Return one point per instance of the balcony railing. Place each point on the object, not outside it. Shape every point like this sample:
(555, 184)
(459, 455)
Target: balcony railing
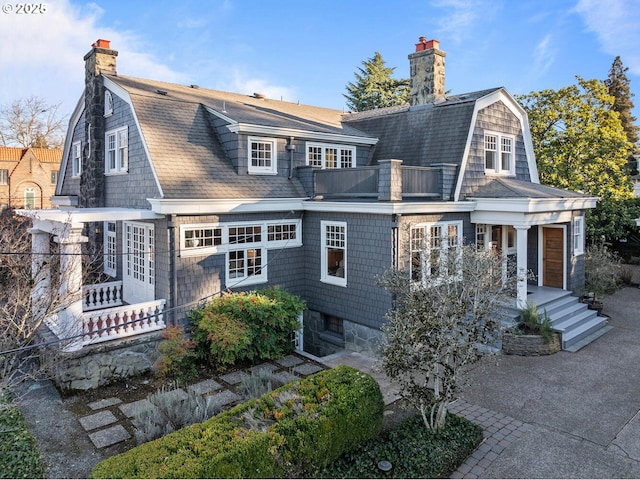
(123, 321)
(421, 181)
(102, 295)
(356, 182)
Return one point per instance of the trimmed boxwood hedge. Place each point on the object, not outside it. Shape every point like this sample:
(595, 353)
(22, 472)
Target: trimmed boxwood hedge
(298, 428)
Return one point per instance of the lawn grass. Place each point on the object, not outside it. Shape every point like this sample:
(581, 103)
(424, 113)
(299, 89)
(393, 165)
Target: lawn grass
(412, 450)
(19, 456)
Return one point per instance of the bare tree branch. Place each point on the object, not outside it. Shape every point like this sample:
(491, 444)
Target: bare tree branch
(31, 122)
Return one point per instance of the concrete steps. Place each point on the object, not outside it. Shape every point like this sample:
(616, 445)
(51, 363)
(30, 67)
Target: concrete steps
(573, 320)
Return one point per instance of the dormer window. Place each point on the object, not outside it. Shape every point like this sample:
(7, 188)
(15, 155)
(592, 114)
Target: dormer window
(499, 154)
(76, 159)
(263, 158)
(108, 103)
(330, 156)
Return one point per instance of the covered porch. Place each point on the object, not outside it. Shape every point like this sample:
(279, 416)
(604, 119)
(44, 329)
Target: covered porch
(93, 313)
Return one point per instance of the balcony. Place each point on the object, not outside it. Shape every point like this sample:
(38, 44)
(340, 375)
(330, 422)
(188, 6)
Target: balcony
(390, 181)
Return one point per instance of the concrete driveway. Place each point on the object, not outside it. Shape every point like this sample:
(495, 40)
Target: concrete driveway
(583, 407)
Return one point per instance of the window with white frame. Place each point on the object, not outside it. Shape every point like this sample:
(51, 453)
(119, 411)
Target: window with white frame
(330, 156)
(76, 159)
(108, 103)
(109, 258)
(429, 245)
(117, 151)
(334, 253)
(245, 245)
(499, 155)
(4, 176)
(578, 235)
(263, 158)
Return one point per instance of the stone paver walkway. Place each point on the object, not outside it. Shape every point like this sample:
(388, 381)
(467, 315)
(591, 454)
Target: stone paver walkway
(500, 431)
(112, 421)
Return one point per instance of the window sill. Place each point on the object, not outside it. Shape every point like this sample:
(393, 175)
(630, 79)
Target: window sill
(337, 281)
(259, 172)
(115, 174)
(242, 282)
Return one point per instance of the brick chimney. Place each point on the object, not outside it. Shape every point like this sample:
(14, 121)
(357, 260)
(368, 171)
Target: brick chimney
(100, 59)
(427, 72)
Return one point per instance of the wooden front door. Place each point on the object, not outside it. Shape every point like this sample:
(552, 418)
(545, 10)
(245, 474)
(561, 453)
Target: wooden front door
(553, 257)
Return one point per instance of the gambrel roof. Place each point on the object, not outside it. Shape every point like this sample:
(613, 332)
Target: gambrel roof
(421, 135)
(187, 156)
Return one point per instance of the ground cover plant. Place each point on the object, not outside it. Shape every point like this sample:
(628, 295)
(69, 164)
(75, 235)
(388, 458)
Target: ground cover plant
(412, 450)
(19, 457)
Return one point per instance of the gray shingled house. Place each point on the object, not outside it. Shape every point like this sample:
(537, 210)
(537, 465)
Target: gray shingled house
(191, 191)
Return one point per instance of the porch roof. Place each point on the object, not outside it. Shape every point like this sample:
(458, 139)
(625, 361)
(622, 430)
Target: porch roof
(509, 201)
(50, 220)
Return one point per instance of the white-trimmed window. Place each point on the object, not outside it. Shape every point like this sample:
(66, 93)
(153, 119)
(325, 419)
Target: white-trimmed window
(29, 198)
(499, 154)
(109, 259)
(334, 253)
(578, 235)
(76, 159)
(117, 151)
(4, 176)
(263, 157)
(429, 244)
(330, 156)
(108, 103)
(200, 237)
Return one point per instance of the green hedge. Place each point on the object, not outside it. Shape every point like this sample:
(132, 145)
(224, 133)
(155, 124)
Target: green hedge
(298, 428)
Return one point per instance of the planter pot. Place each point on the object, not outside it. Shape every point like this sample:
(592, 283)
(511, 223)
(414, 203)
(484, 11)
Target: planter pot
(529, 345)
(597, 306)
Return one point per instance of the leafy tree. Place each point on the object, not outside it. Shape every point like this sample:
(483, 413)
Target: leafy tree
(436, 328)
(580, 145)
(375, 88)
(31, 122)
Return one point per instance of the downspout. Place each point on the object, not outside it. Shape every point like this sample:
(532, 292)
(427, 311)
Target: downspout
(173, 281)
(291, 148)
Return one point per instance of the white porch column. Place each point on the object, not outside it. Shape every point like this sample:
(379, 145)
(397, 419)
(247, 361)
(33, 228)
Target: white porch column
(521, 265)
(69, 317)
(40, 272)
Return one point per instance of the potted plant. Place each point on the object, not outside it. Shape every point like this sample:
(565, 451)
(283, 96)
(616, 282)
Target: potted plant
(533, 334)
(601, 267)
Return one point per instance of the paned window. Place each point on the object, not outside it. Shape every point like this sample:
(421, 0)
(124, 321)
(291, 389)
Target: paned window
(110, 266)
(4, 176)
(262, 156)
(499, 154)
(29, 198)
(433, 248)
(117, 151)
(334, 253)
(54, 176)
(246, 266)
(108, 103)
(330, 156)
(578, 235)
(76, 159)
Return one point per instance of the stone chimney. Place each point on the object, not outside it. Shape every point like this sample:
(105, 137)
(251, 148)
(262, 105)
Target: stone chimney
(100, 59)
(427, 72)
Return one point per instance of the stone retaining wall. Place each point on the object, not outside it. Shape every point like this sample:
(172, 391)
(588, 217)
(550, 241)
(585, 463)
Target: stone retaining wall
(529, 345)
(100, 364)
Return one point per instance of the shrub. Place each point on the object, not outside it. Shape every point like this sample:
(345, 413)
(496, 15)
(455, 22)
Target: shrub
(412, 450)
(533, 322)
(298, 428)
(169, 410)
(178, 356)
(254, 326)
(19, 456)
(257, 384)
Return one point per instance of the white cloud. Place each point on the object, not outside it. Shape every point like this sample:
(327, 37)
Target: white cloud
(617, 26)
(544, 55)
(461, 16)
(42, 54)
(241, 83)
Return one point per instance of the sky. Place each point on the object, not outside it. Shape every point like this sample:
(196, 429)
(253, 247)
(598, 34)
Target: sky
(308, 51)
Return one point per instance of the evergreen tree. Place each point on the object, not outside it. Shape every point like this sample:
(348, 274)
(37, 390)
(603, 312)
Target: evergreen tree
(618, 85)
(375, 88)
(580, 145)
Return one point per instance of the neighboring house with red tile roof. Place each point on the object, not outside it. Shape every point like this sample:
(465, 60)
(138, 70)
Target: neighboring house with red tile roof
(191, 191)
(28, 176)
